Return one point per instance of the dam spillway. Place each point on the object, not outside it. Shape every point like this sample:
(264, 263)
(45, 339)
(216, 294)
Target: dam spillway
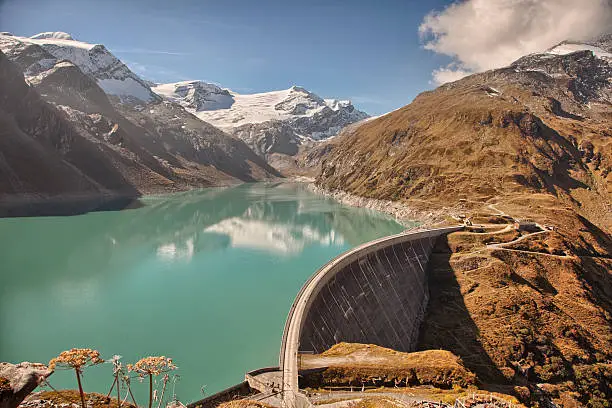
(375, 293)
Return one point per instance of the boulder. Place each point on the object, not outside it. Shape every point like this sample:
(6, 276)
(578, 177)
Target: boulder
(17, 381)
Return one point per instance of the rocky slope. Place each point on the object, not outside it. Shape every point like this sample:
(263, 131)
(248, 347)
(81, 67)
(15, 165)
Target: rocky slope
(541, 124)
(147, 144)
(41, 152)
(113, 76)
(271, 122)
(534, 139)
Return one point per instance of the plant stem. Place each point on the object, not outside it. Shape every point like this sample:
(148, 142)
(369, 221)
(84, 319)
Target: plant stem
(150, 390)
(118, 391)
(111, 389)
(132, 396)
(163, 390)
(76, 370)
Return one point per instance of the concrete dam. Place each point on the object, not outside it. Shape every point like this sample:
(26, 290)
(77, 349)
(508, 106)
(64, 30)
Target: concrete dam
(375, 293)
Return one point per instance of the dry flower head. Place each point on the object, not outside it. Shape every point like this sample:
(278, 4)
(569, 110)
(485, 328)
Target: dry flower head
(152, 366)
(76, 358)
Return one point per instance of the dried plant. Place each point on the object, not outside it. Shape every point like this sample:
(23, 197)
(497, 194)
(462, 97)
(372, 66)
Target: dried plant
(152, 366)
(118, 373)
(76, 359)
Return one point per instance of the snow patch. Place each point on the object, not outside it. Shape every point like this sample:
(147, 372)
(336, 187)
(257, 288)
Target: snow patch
(114, 77)
(125, 88)
(197, 95)
(59, 35)
(568, 48)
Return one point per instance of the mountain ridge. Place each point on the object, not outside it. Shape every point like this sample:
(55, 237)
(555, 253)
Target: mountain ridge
(272, 123)
(155, 145)
(531, 141)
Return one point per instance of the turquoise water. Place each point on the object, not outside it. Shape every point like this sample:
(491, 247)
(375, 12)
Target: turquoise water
(206, 277)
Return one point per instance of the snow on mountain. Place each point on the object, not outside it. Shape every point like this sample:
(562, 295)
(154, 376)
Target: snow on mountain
(230, 110)
(568, 47)
(59, 35)
(114, 77)
(268, 122)
(196, 95)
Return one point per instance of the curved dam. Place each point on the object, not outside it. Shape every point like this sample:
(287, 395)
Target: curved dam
(376, 293)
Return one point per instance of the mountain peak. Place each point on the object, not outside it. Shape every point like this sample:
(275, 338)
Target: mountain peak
(196, 95)
(568, 47)
(57, 35)
(112, 75)
(297, 88)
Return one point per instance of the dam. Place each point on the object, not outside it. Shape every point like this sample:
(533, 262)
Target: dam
(375, 293)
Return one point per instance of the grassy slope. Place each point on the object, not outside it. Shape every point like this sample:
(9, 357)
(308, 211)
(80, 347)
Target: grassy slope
(522, 317)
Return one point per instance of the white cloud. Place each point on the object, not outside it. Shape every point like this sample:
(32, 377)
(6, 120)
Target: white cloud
(450, 73)
(486, 34)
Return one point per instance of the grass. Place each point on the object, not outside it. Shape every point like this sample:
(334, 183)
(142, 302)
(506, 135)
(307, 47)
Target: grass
(356, 364)
(72, 397)
(426, 393)
(244, 403)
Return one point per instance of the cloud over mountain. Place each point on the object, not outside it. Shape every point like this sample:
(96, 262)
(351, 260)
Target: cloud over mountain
(486, 34)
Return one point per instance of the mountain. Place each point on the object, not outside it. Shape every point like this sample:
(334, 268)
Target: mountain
(43, 154)
(114, 77)
(531, 141)
(540, 124)
(155, 145)
(270, 122)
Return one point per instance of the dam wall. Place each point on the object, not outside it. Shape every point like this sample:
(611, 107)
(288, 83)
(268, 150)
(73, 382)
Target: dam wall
(375, 293)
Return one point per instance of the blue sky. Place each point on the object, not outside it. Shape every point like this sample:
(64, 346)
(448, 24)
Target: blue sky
(367, 51)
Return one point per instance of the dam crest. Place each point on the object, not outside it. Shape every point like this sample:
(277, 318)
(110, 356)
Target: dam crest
(376, 293)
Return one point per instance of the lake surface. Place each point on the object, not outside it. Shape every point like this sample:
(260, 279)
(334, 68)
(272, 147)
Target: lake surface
(206, 277)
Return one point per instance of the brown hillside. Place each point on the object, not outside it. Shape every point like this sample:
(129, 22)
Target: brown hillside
(501, 132)
(348, 364)
(531, 141)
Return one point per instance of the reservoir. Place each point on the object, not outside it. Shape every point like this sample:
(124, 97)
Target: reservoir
(206, 277)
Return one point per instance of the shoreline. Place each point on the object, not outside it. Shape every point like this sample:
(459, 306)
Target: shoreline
(402, 213)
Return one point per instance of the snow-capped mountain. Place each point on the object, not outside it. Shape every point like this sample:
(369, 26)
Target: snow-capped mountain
(113, 76)
(586, 72)
(270, 122)
(598, 48)
(147, 145)
(87, 79)
(196, 95)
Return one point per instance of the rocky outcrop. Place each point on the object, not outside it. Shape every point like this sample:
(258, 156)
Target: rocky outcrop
(41, 152)
(17, 381)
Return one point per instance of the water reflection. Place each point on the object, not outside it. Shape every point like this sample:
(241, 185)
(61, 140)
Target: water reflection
(275, 218)
(273, 237)
(192, 263)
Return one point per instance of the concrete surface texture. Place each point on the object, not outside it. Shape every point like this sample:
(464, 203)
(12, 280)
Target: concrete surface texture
(376, 293)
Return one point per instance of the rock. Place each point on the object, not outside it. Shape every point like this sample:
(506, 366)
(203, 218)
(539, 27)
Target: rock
(17, 381)
(175, 404)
